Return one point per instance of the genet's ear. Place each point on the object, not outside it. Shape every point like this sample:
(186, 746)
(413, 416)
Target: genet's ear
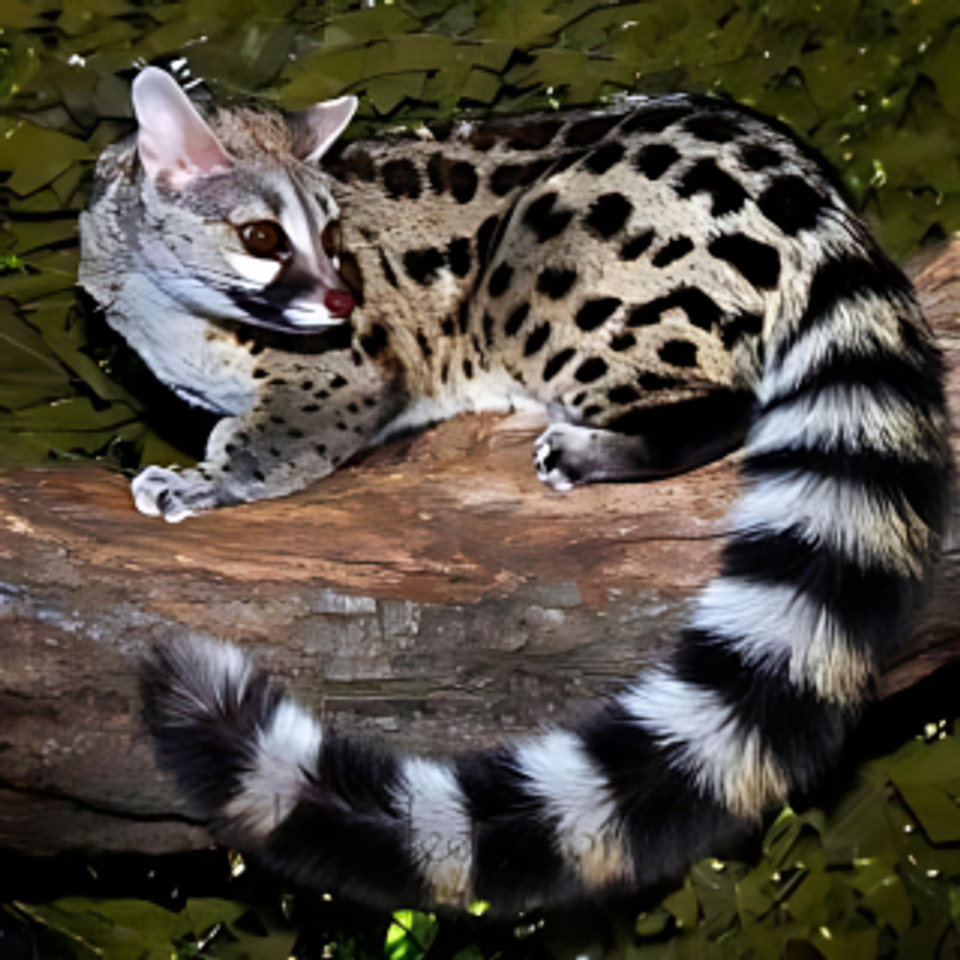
(173, 140)
(316, 128)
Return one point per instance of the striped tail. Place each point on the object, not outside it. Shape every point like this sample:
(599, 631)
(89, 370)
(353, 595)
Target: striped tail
(847, 476)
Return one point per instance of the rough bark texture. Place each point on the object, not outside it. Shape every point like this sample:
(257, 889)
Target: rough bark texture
(436, 595)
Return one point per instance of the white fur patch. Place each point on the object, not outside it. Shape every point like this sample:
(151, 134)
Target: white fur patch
(768, 623)
(724, 760)
(271, 788)
(257, 270)
(837, 514)
(441, 838)
(578, 795)
(204, 671)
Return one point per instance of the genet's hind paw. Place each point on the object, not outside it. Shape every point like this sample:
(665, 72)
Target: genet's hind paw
(159, 492)
(558, 455)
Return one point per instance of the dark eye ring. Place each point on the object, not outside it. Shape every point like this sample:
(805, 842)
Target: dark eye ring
(265, 239)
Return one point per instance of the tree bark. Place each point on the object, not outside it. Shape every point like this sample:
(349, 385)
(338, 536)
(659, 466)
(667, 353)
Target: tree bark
(435, 595)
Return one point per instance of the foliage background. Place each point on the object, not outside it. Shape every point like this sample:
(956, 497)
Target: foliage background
(873, 84)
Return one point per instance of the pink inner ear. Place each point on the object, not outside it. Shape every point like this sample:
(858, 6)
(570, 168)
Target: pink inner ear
(173, 140)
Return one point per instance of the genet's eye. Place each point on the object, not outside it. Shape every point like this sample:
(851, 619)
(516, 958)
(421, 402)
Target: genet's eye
(331, 239)
(264, 238)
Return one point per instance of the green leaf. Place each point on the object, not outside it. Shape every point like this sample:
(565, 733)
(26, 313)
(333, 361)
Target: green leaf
(35, 156)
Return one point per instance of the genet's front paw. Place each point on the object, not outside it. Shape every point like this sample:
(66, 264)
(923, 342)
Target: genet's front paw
(159, 492)
(558, 455)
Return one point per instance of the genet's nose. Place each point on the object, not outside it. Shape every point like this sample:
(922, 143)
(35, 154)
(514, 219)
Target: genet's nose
(339, 303)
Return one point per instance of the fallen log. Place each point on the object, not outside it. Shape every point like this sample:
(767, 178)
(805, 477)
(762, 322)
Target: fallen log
(436, 596)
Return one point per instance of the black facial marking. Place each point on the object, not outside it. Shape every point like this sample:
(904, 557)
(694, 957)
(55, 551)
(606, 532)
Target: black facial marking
(678, 353)
(758, 157)
(515, 320)
(655, 119)
(374, 342)
(586, 132)
(401, 179)
(536, 340)
(714, 127)
(608, 214)
(604, 157)
(700, 309)
(500, 280)
(758, 262)
(463, 182)
(706, 177)
(595, 312)
(670, 252)
(655, 159)
(388, 273)
(637, 245)
(623, 394)
(509, 176)
(623, 342)
(556, 363)
(590, 370)
(543, 220)
(423, 266)
(458, 253)
(792, 204)
(555, 282)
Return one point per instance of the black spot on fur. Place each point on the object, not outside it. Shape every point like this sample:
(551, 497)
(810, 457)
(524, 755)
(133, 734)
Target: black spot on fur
(488, 330)
(758, 262)
(654, 381)
(401, 179)
(260, 374)
(714, 127)
(515, 320)
(545, 221)
(423, 266)
(623, 394)
(637, 245)
(374, 342)
(672, 251)
(534, 135)
(595, 312)
(586, 132)
(388, 273)
(556, 363)
(337, 382)
(655, 119)
(500, 280)
(509, 176)
(568, 160)
(758, 157)
(678, 353)
(447, 327)
(463, 182)
(655, 159)
(463, 315)
(792, 204)
(555, 282)
(706, 177)
(700, 309)
(484, 237)
(623, 342)
(604, 157)
(536, 340)
(740, 325)
(437, 172)
(458, 253)
(468, 368)
(590, 370)
(608, 214)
